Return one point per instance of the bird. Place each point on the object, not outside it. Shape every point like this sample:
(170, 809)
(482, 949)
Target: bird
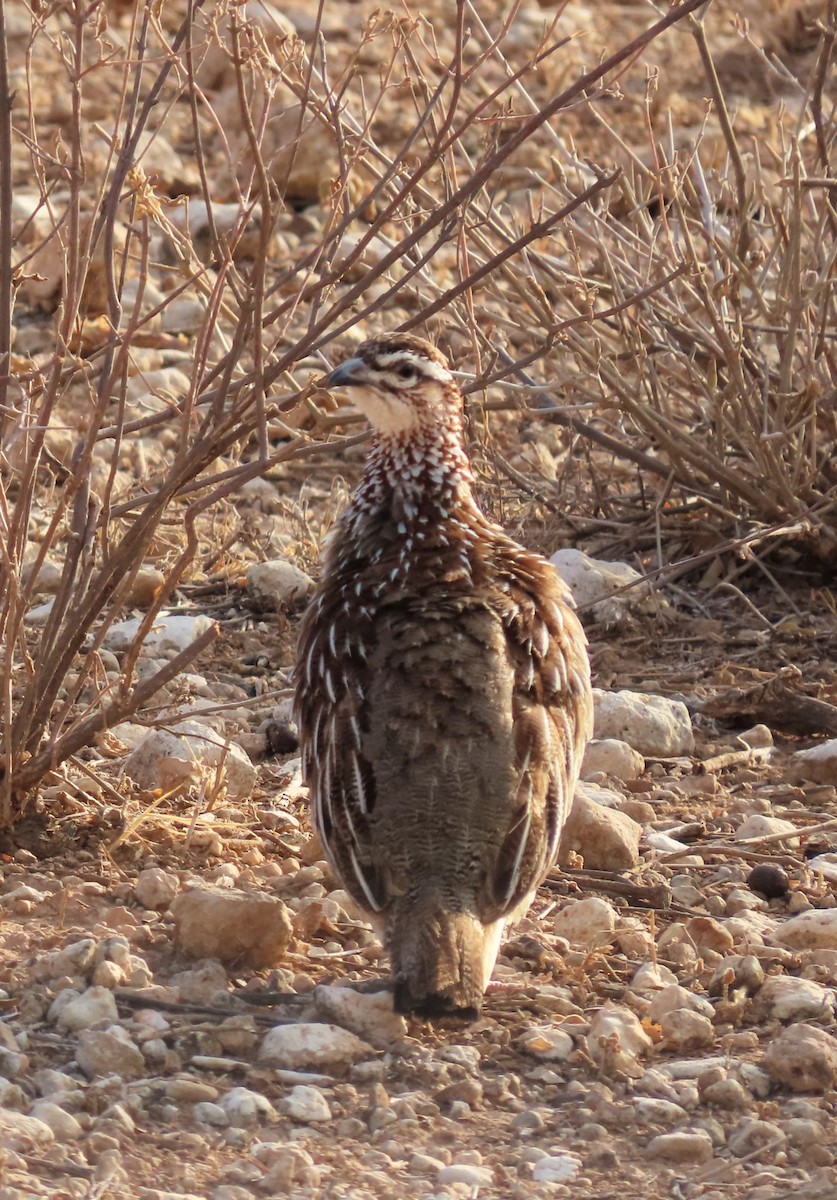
(441, 692)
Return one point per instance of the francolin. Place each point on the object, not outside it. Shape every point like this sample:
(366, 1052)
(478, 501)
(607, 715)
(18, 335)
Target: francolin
(442, 692)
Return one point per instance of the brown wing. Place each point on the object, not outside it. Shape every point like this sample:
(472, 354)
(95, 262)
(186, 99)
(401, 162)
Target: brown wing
(552, 720)
(331, 688)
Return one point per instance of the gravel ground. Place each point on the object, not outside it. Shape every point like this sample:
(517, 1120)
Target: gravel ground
(191, 1006)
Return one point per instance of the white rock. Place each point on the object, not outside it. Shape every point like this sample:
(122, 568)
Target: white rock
(617, 1040)
(24, 892)
(76, 959)
(201, 984)
(474, 1177)
(245, 1107)
(814, 930)
(108, 975)
(95, 1005)
(50, 1082)
(737, 970)
(376, 248)
(608, 840)
(20, 1133)
(39, 615)
(156, 888)
(786, 998)
(368, 1014)
(116, 949)
(817, 764)
(128, 733)
(170, 633)
(278, 583)
(206, 1112)
(727, 1093)
(546, 1042)
(663, 843)
(686, 1146)
(751, 1135)
(11, 1094)
(423, 1164)
(708, 934)
(109, 1052)
(610, 756)
(825, 865)
(759, 825)
(594, 581)
(651, 1110)
(673, 997)
(183, 315)
(654, 725)
(750, 927)
(693, 1068)
(168, 382)
(651, 978)
(62, 1123)
(685, 1029)
(588, 923)
(556, 1168)
(305, 1103)
(757, 738)
(803, 1058)
(633, 939)
(48, 579)
(311, 1046)
(188, 751)
(239, 928)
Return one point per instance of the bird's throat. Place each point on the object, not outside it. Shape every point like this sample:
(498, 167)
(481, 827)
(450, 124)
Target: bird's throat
(424, 470)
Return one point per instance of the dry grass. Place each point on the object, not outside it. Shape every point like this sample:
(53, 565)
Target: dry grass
(671, 306)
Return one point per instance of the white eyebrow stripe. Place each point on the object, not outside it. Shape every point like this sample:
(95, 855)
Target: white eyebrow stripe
(423, 366)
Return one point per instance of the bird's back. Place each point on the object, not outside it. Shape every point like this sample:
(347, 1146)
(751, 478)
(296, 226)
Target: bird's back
(440, 736)
(446, 762)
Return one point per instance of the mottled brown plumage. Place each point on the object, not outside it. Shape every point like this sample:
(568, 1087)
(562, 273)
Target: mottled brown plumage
(442, 692)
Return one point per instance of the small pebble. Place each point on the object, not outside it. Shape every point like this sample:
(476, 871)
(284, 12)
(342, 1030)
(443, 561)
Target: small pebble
(306, 1104)
(683, 1147)
(155, 888)
(478, 1177)
(62, 1123)
(556, 1168)
(207, 1113)
(752, 1137)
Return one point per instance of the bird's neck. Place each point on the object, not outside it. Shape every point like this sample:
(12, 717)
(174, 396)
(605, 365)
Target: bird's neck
(414, 520)
(422, 472)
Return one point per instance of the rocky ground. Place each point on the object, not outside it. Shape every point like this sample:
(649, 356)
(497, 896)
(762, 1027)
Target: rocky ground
(191, 1006)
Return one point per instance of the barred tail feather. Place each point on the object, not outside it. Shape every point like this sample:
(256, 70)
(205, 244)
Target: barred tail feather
(441, 960)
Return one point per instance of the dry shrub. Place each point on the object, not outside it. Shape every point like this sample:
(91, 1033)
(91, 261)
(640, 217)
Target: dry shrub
(203, 200)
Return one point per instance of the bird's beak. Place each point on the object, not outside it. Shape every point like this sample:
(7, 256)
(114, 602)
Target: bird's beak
(349, 372)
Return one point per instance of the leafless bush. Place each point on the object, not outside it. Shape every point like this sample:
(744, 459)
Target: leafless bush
(692, 315)
(186, 335)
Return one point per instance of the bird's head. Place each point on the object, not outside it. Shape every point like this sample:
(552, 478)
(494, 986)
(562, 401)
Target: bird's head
(400, 383)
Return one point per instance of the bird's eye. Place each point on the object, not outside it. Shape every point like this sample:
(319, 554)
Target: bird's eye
(405, 371)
